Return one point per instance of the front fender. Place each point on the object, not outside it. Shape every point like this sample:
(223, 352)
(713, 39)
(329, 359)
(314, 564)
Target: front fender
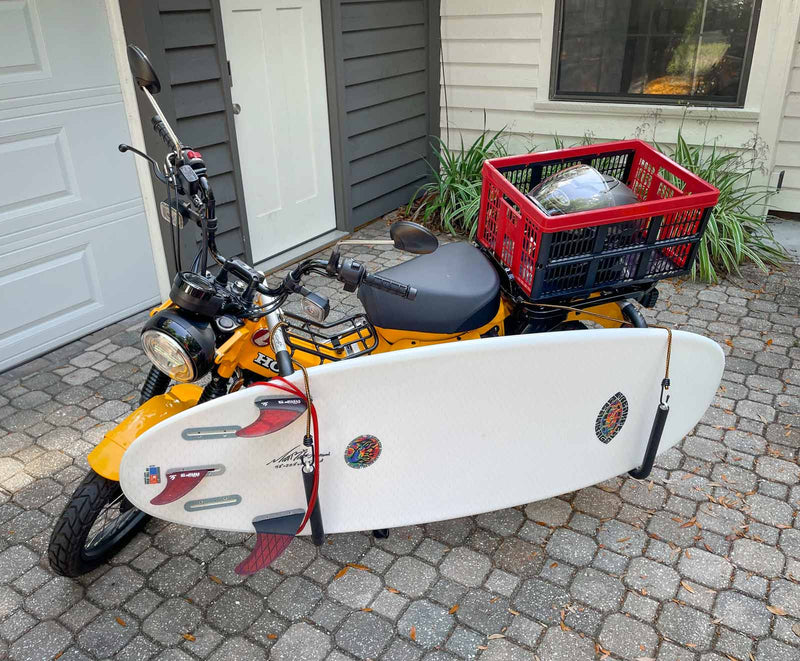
(106, 457)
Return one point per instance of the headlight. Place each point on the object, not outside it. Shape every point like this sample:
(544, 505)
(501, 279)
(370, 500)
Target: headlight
(179, 347)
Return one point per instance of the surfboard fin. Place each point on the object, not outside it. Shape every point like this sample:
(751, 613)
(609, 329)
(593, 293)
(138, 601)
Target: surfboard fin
(179, 483)
(274, 533)
(274, 413)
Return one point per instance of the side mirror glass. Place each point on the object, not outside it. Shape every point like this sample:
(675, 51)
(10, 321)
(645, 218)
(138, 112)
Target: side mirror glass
(143, 72)
(413, 238)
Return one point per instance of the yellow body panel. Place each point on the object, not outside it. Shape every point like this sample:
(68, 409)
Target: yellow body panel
(607, 309)
(106, 457)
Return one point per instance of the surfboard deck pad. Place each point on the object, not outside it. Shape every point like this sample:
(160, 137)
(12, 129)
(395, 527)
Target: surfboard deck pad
(427, 434)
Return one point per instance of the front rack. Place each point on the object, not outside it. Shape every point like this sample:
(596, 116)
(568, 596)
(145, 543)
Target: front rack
(349, 337)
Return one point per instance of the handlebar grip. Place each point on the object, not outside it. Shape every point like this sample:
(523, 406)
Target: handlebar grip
(161, 131)
(390, 286)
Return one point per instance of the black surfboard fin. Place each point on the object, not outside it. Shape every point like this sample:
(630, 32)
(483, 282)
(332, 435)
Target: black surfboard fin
(274, 533)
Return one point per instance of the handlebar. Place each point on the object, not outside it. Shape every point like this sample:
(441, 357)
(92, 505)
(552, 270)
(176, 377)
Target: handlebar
(390, 286)
(161, 130)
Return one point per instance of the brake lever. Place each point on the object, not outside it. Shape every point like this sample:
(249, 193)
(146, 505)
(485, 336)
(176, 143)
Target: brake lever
(153, 165)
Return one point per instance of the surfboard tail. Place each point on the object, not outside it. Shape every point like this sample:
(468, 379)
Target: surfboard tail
(274, 533)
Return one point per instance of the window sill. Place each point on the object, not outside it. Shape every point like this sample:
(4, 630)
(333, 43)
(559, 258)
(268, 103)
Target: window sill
(641, 109)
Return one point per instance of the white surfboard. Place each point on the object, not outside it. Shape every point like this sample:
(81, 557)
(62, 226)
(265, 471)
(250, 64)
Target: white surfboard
(429, 433)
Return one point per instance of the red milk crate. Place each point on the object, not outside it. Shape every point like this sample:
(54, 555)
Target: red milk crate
(573, 254)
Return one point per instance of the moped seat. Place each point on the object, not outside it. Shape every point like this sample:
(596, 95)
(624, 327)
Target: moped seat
(458, 290)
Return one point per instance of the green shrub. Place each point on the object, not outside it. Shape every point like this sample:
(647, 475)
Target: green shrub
(452, 200)
(737, 229)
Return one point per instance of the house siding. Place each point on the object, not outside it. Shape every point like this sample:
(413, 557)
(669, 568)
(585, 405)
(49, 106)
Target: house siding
(496, 59)
(787, 153)
(183, 40)
(383, 52)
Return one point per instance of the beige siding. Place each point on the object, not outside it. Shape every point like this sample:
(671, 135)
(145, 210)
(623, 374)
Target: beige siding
(787, 153)
(496, 74)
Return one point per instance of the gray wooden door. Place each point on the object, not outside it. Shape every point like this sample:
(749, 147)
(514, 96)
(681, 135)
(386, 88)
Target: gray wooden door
(75, 252)
(383, 81)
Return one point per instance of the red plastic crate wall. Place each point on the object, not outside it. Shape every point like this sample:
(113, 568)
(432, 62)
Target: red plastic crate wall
(579, 253)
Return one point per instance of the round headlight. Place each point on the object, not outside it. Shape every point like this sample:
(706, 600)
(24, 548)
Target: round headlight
(167, 355)
(180, 347)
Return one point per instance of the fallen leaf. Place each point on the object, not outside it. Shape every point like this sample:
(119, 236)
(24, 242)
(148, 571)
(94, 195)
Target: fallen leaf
(495, 636)
(413, 633)
(769, 342)
(554, 565)
(272, 636)
(483, 647)
(564, 627)
(776, 610)
(622, 539)
(513, 612)
(189, 637)
(392, 590)
(215, 579)
(121, 622)
(59, 655)
(453, 609)
(355, 566)
(341, 572)
(494, 600)
(687, 587)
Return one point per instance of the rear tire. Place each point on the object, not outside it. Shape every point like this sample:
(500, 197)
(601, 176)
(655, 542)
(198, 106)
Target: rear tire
(77, 544)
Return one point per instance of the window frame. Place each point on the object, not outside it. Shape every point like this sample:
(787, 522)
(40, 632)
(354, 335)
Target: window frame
(650, 99)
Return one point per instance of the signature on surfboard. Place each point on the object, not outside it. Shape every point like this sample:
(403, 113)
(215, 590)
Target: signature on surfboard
(293, 457)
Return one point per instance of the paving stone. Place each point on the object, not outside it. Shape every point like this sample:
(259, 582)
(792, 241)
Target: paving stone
(295, 597)
(430, 623)
(401, 650)
(628, 637)
(356, 588)
(401, 540)
(597, 502)
(452, 532)
(389, 604)
(447, 592)
(364, 635)
(265, 630)
(464, 566)
(719, 519)
(115, 586)
(44, 641)
(15, 561)
(733, 643)
(769, 510)
(597, 589)
(504, 650)
(519, 557)
(686, 626)
(172, 619)
(501, 522)
(622, 538)
(706, 568)
(790, 542)
(411, 576)
(176, 576)
(541, 600)
(16, 625)
(329, 615)
(54, 598)
(484, 612)
(758, 558)
(558, 645)
(345, 548)
(787, 596)
(429, 550)
(552, 512)
(751, 584)
(642, 607)
(239, 649)
(502, 582)
(105, 636)
(235, 610)
(610, 562)
(464, 643)
(772, 650)
(778, 470)
(571, 547)
(31, 580)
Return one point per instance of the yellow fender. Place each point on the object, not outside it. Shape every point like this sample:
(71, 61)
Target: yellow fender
(106, 457)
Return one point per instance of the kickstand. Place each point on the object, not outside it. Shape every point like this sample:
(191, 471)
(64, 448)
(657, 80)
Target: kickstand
(315, 519)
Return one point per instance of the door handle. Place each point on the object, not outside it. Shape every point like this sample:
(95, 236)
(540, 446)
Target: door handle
(236, 108)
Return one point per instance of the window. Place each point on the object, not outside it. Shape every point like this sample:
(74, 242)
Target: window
(654, 51)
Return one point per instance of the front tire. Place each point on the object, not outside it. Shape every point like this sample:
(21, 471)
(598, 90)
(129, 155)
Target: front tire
(97, 522)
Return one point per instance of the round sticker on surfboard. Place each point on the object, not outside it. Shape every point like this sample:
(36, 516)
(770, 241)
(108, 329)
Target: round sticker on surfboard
(362, 451)
(611, 418)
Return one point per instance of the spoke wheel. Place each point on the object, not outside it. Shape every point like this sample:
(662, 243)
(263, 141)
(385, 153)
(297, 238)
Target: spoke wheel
(97, 522)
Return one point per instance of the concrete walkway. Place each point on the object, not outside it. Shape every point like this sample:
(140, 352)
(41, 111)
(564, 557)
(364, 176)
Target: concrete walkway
(700, 563)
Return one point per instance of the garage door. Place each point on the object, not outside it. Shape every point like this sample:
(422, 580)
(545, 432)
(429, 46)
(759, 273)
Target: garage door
(74, 248)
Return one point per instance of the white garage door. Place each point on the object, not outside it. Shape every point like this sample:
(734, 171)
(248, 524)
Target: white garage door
(74, 249)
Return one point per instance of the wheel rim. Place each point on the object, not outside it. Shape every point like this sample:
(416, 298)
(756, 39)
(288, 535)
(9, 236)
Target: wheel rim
(112, 523)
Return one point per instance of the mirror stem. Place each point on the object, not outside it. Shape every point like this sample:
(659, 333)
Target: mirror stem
(156, 107)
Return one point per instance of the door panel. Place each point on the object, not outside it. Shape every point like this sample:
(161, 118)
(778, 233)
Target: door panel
(74, 248)
(278, 75)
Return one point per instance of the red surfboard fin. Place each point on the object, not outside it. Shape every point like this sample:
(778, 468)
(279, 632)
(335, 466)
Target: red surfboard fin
(179, 483)
(274, 533)
(274, 413)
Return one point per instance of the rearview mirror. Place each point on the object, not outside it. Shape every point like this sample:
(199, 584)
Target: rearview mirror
(413, 238)
(143, 72)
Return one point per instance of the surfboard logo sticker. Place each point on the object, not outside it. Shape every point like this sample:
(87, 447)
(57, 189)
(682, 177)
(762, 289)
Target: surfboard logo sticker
(611, 418)
(152, 475)
(362, 451)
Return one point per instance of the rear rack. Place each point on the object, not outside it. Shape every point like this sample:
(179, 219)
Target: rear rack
(349, 337)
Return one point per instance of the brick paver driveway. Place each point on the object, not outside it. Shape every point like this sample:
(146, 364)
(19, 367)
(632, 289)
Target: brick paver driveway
(702, 562)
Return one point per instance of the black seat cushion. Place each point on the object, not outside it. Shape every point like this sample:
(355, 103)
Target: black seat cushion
(458, 290)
